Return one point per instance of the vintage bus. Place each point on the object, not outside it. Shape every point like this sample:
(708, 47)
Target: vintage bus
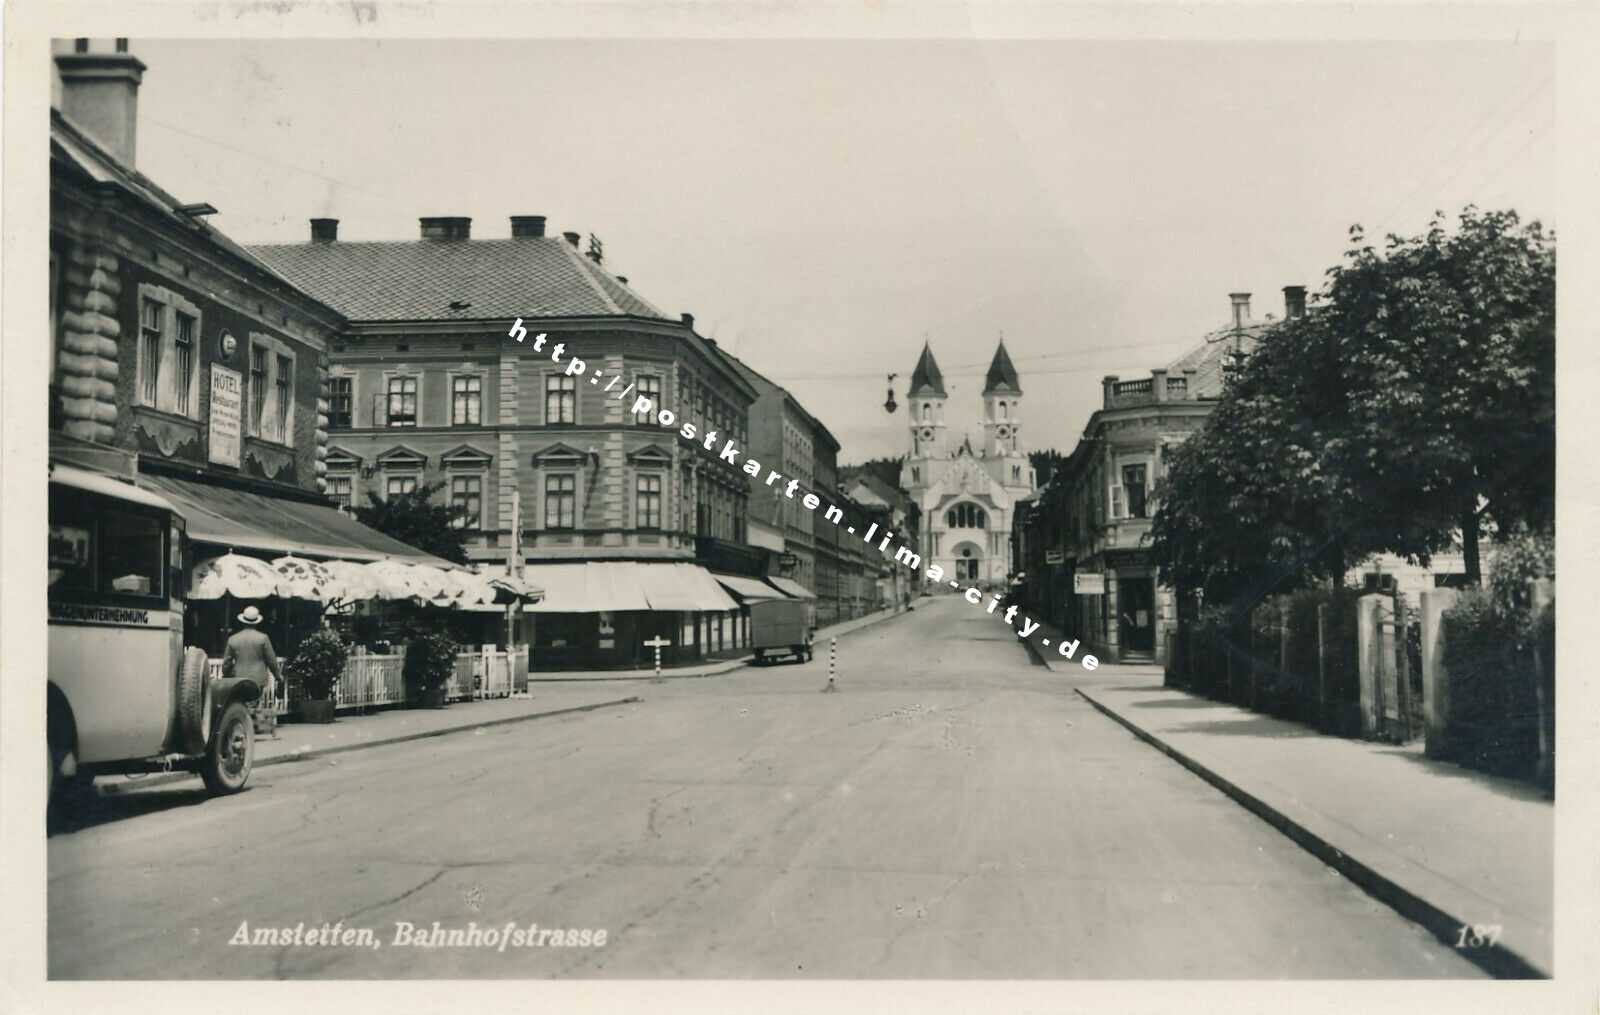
(124, 694)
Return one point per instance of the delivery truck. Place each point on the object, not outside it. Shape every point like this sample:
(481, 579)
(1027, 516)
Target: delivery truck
(781, 627)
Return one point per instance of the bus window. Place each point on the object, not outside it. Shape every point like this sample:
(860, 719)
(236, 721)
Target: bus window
(130, 558)
(71, 557)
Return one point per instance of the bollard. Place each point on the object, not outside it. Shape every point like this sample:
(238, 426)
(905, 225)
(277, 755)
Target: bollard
(656, 644)
(833, 656)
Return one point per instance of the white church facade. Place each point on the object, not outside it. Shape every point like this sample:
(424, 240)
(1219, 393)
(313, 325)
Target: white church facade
(967, 494)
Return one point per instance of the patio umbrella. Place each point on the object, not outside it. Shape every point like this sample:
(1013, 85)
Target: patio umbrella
(393, 579)
(233, 575)
(355, 581)
(430, 582)
(480, 592)
(299, 578)
(452, 590)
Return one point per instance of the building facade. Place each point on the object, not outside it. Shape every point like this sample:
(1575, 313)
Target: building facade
(965, 495)
(507, 372)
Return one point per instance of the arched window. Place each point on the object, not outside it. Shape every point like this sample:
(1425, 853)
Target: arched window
(1002, 410)
(966, 516)
(927, 412)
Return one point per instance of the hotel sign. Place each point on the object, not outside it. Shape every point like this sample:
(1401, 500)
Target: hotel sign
(227, 405)
(1084, 584)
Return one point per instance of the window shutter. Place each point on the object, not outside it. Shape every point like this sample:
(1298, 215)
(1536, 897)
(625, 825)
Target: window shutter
(1116, 502)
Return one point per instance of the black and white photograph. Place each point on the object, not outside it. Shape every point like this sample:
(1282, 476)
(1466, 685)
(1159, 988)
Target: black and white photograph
(624, 500)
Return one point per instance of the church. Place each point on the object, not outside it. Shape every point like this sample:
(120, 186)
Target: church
(967, 494)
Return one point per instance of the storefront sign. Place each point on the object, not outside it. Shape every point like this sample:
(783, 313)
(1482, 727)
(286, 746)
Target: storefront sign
(1055, 556)
(1089, 584)
(227, 404)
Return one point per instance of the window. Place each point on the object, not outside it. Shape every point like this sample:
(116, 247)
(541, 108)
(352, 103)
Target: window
(560, 399)
(402, 401)
(1002, 410)
(966, 516)
(398, 485)
(1133, 483)
(560, 501)
(647, 502)
(341, 399)
(649, 387)
(183, 345)
(916, 474)
(283, 382)
(466, 401)
(342, 490)
(167, 361)
(97, 550)
(466, 496)
(258, 388)
(150, 351)
(1116, 503)
(1016, 474)
(927, 412)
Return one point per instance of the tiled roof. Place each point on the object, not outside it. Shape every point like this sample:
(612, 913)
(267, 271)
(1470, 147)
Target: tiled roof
(1001, 372)
(414, 280)
(1206, 359)
(926, 379)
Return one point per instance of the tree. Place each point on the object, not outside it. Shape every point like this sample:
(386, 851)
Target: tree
(1045, 462)
(1415, 401)
(1451, 376)
(414, 519)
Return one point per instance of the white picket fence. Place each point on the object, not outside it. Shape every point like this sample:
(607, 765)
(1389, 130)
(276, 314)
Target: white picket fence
(371, 680)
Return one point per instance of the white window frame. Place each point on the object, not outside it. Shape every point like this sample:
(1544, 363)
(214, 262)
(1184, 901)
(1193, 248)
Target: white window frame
(347, 476)
(544, 499)
(269, 427)
(391, 476)
(167, 380)
(416, 415)
(337, 374)
(659, 382)
(462, 375)
(660, 476)
(468, 521)
(557, 383)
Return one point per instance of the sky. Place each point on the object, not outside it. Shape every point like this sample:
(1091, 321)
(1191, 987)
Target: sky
(823, 207)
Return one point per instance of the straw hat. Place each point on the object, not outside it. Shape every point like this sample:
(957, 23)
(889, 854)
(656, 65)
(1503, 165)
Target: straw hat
(251, 615)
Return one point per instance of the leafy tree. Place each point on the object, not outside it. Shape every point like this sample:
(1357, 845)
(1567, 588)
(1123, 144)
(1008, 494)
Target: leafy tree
(1416, 400)
(414, 519)
(1045, 462)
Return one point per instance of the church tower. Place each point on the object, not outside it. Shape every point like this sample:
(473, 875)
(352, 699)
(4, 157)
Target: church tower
(1002, 402)
(926, 402)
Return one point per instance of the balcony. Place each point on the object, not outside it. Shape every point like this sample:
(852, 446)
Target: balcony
(1158, 387)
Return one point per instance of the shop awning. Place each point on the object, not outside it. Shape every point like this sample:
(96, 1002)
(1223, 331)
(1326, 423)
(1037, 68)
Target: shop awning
(748, 589)
(609, 586)
(792, 588)
(251, 521)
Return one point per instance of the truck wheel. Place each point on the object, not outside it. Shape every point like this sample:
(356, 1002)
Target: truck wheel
(226, 765)
(194, 701)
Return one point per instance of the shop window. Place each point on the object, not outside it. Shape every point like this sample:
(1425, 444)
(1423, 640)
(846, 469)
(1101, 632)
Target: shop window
(560, 501)
(466, 496)
(466, 401)
(341, 400)
(402, 401)
(560, 399)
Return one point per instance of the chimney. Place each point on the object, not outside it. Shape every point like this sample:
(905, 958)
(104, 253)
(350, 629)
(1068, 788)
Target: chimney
(688, 321)
(527, 226)
(571, 238)
(1241, 309)
(324, 230)
(1294, 301)
(446, 227)
(100, 93)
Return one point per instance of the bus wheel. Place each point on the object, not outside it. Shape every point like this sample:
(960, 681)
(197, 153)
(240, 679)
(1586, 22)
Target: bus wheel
(226, 765)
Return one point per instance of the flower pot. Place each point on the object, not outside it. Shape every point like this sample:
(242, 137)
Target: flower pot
(317, 711)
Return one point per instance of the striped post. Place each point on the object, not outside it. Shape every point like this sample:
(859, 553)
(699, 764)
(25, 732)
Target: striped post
(833, 662)
(656, 643)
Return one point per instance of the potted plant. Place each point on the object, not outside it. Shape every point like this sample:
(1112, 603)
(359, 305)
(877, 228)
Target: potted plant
(318, 664)
(430, 662)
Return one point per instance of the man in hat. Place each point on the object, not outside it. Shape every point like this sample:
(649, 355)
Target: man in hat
(249, 654)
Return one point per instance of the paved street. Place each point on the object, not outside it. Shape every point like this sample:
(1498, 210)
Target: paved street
(953, 812)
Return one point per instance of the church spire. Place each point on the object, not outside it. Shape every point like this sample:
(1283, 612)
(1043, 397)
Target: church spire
(926, 379)
(1002, 375)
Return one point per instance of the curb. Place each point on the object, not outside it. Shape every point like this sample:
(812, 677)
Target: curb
(323, 752)
(1498, 961)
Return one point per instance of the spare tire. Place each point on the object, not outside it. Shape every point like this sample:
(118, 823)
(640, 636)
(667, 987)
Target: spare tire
(194, 701)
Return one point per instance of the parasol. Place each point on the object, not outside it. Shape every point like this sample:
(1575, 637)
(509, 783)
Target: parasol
(392, 579)
(355, 581)
(299, 578)
(233, 575)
